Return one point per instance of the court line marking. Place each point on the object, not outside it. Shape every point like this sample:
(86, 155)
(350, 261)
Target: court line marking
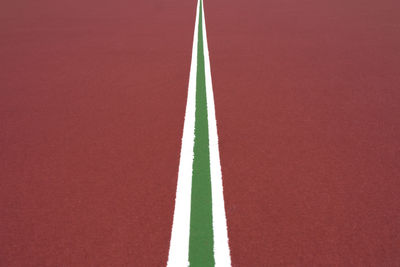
(179, 243)
(221, 243)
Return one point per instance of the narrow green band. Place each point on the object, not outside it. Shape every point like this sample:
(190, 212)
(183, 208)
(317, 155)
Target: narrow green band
(201, 229)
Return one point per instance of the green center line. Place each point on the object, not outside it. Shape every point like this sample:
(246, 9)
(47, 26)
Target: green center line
(201, 226)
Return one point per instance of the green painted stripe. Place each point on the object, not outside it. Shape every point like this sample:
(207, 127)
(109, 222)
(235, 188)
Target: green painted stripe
(201, 229)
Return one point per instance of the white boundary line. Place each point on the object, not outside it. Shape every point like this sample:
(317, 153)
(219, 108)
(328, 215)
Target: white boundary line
(179, 244)
(221, 247)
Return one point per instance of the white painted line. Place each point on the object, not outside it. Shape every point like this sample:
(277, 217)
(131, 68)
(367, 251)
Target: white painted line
(221, 245)
(179, 244)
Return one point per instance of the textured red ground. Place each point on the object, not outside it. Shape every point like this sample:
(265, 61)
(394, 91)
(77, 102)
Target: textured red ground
(308, 106)
(92, 100)
(92, 104)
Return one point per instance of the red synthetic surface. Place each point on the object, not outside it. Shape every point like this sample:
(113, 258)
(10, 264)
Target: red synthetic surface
(92, 98)
(308, 106)
(92, 102)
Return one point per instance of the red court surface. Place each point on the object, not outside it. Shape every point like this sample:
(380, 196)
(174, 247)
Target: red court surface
(307, 97)
(92, 103)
